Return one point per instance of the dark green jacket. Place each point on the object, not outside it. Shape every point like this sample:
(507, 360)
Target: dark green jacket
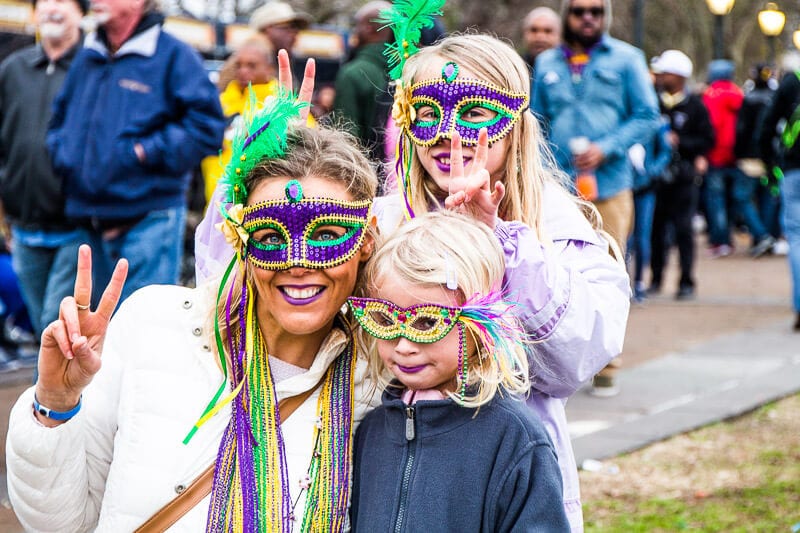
(361, 87)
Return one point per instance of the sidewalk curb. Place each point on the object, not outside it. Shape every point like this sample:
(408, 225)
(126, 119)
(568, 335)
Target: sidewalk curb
(713, 381)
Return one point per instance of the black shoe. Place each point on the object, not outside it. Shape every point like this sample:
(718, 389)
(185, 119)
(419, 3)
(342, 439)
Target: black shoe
(763, 246)
(654, 289)
(27, 356)
(8, 362)
(797, 323)
(604, 386)
(685, 292)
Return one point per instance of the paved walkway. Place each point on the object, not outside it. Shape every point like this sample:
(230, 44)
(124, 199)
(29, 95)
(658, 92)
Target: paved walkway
(712, 381)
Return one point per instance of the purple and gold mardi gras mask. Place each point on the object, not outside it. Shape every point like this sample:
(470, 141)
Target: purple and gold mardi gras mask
(422, 323)
(305, 232)
(447, 103)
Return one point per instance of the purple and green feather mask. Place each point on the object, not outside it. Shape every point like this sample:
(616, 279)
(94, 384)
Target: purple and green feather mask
(305, 232)
(441, 106)
(251, 487)
(427, 111)
(311, 232)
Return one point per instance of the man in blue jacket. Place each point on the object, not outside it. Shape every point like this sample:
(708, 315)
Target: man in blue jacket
(598, 88)
(136, 113)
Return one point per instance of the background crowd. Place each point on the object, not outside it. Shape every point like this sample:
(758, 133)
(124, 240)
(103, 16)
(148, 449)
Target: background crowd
(665, 154)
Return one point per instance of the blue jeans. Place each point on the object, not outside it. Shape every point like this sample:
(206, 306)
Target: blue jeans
(769, 209)
(639, 241)
(46, 275)
(742, 191)
(12, 304)
(790, 191)
(153, 248)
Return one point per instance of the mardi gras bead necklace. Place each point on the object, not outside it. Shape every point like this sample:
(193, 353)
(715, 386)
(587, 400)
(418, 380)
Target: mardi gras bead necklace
(251, 483)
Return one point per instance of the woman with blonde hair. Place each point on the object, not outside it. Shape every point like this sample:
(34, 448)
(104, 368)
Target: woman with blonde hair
(229, 407)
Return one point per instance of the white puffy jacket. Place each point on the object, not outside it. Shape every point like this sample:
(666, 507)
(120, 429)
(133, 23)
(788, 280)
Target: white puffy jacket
(121, 458)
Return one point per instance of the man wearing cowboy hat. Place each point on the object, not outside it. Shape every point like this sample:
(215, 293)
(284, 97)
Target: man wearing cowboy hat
(280, 24)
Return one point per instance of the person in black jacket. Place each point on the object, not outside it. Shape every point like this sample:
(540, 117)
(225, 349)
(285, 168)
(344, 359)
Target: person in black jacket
(786, 105)
(45, 244)
(765, 191)
(691, 136)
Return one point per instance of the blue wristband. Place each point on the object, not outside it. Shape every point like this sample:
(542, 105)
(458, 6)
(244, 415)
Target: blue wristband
(56, 415)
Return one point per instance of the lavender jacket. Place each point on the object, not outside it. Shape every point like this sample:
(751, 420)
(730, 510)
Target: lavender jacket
(574, 295)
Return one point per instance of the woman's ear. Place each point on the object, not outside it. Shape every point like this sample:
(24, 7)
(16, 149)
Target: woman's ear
(369, 240)
(367, 248)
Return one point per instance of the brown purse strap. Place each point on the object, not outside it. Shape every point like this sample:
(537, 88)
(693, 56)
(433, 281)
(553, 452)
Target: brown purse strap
(289, 405)
(180, 505)
(201, 486)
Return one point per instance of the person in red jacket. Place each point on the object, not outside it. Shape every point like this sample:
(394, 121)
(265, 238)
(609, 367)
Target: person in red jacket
(723, 98)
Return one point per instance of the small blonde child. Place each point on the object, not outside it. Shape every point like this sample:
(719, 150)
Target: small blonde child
(452, 446)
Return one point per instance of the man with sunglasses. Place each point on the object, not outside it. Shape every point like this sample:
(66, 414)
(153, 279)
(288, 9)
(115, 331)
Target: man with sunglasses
(597, 88)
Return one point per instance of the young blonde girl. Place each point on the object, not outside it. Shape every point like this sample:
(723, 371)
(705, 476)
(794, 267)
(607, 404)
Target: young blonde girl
(488, 159)
(452, 446)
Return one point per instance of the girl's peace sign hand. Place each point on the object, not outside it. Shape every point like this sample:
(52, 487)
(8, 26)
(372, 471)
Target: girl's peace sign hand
(71, 347)
(285, 79)
(473, 193)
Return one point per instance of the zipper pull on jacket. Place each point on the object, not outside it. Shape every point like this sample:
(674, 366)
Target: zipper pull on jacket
(410, 434)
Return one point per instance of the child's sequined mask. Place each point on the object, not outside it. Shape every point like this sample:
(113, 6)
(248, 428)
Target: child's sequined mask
(422, 323)
(305, 232)
(446, 103)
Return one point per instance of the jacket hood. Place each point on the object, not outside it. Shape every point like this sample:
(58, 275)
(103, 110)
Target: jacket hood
(606, 20)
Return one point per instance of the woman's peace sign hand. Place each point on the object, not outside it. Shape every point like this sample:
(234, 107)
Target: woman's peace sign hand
(473, 193)
(71, 347)
(285, 79)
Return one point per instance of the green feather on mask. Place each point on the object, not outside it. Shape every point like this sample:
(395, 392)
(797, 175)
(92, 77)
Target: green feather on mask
(407, 18)
(261, 134)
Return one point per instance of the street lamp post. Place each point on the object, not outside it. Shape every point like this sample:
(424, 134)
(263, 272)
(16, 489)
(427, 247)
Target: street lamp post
(638, 24)
(771, 21)
(719, 8)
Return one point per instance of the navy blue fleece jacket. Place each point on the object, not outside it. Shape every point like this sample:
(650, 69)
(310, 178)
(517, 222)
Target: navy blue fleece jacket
(436, 466)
